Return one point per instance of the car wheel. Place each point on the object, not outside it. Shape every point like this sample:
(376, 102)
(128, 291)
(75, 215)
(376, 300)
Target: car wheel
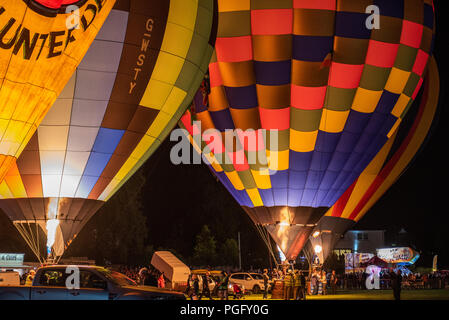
(256, 289)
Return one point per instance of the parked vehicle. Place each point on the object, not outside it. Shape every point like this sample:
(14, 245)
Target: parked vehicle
(9, 278)
(259, 277)
(214, 280)
(60, 282)
(250, 281)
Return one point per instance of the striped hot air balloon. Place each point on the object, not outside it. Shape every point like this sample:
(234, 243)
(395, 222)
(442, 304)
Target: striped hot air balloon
(332, 89)
(136, 81)
(383, 171)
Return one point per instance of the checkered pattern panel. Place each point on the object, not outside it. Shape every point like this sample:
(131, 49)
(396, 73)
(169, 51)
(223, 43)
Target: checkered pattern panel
(334, 89)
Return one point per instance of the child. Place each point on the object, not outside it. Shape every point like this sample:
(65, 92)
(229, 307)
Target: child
(238, 294)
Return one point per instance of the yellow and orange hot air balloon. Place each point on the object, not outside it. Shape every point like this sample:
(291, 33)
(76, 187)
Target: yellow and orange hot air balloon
(333, 87)
(40, 46)
(137, 79)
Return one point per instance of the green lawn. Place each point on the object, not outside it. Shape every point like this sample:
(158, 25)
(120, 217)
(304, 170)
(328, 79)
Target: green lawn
(424, 294)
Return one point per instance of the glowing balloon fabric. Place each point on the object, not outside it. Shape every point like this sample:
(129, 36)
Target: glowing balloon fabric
(39, 51)
(383, 171)
(131, 88)
(334, 89)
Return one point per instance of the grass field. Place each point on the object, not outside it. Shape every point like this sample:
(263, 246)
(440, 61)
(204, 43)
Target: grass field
(425, 294)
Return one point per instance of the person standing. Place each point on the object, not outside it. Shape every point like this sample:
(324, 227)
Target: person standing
(424, 280)
(223, 286)
(319, 277)
(191, 292)
(313, 283)
(302, 286)
(333, 282)
(143, 275)
(396, 283)
(30, 278)
(288, 285)
(265, 283)
(324, 282)
(206, 291)
(152, 278)
(161, 281)
(196, 287)
(274, 274)
(296, 285)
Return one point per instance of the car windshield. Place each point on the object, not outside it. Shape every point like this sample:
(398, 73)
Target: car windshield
(257, 276)
(117, 278)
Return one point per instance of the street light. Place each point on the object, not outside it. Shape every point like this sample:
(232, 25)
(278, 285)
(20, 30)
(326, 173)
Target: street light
(318, 249)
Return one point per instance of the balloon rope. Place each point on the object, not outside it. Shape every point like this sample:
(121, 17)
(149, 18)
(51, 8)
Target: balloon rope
(270, 245)
(26, 235)
(266, 239)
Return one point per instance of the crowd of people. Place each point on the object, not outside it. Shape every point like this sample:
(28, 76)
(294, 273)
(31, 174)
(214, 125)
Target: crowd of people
(144, 275)
(356, 280)
(296, 283)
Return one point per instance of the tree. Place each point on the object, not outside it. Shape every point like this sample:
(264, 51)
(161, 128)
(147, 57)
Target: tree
(10, 239)
(229, 253)
(117, 232)
(335, 262)
(204, 252)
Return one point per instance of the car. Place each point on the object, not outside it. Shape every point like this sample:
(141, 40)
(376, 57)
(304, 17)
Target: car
(215, 277)
(259, 276)
(251, 281)
(64, 282)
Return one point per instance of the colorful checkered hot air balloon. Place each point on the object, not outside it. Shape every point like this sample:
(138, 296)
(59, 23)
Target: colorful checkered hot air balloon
(332, 79)
(383, 171)
(40, 47)
(137, 79)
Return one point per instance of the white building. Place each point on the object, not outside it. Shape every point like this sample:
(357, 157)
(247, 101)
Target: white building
(360, 241)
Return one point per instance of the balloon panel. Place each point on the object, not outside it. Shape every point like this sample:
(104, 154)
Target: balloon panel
(39, 51)
(335, 90)
(383, 171)
(390, 163)
(134, 83)
(98, 130)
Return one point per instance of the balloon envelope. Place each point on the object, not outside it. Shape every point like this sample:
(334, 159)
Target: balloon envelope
(331, 90)
(40, 47)
(133, 85)
(383, 171)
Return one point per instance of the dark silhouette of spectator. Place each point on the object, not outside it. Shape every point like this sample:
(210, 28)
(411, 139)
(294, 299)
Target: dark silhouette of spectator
(396, 283)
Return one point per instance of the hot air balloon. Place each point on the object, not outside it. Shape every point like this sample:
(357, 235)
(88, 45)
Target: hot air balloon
(383, 171)
(41, 44)
(133, 85)
(332, 87)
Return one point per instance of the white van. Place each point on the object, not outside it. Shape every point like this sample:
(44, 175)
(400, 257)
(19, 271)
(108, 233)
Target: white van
(9, 278)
